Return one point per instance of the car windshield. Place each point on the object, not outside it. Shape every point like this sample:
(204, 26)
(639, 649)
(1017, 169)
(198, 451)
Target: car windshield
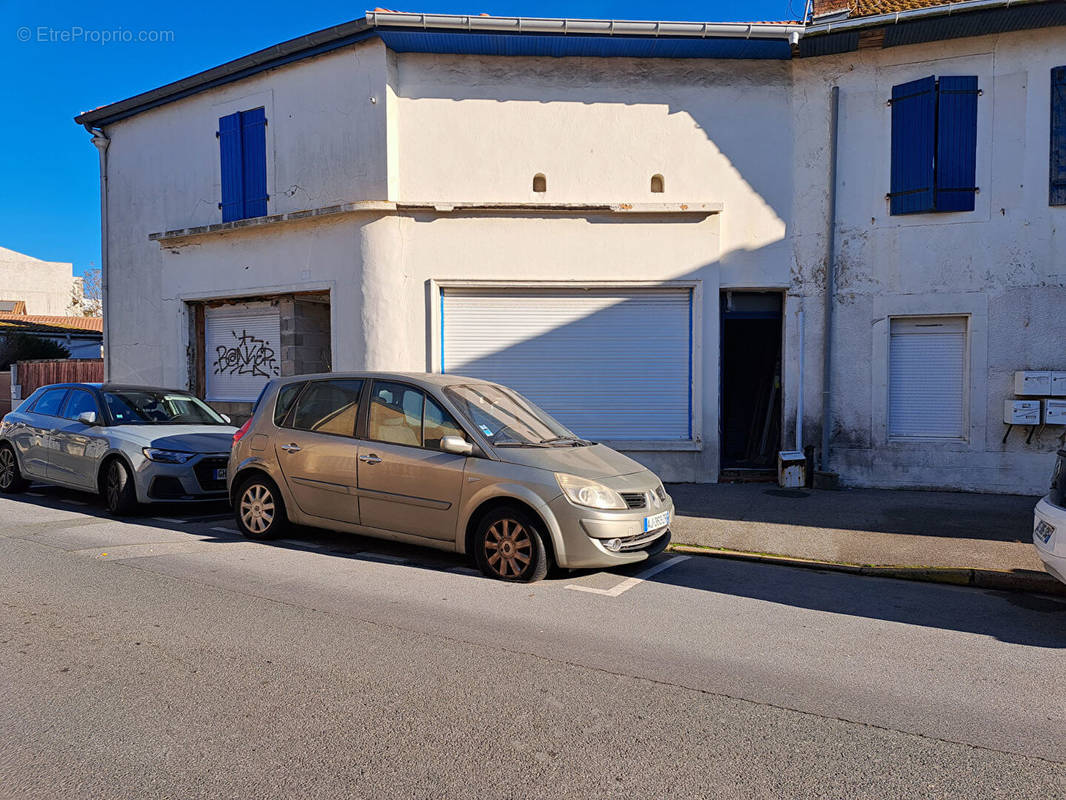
(507, 419)
(147, 407)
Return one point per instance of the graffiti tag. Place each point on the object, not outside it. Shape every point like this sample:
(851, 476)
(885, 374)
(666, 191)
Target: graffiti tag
(249, 356)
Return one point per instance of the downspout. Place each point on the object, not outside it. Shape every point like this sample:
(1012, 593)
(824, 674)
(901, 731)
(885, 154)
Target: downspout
(830, 281)
(100, 141)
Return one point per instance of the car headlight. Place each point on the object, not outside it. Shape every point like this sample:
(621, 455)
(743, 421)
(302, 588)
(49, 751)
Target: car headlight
(167, 456)
(584, 492)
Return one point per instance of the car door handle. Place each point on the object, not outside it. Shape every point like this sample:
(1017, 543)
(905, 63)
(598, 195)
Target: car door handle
(370, 459)
(291, 448)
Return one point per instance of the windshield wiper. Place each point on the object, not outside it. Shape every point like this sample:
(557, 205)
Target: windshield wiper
(513, 443)
(574, 440)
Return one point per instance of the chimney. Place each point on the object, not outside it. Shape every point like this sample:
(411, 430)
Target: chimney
(829, 8)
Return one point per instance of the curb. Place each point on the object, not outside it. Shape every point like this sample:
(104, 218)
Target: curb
(1001, 580)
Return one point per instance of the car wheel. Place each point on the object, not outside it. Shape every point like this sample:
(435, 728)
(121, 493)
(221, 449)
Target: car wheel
(120, 494)
(510, 547)
(259, 510)
(11, 480)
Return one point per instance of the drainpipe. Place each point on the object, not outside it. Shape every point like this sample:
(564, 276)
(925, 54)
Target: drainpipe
(799, 399)
(100, 141)
(830, 281)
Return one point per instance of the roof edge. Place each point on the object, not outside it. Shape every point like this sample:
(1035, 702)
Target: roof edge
(878, 20)
(347, 33)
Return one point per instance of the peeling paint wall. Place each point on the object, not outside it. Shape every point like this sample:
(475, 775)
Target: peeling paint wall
(1002, 263)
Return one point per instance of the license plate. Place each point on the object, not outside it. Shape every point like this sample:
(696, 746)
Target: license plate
(1044, 531)
(220, 474)
(658, 521)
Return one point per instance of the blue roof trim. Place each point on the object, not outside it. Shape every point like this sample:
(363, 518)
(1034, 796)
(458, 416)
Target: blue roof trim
(403, 40)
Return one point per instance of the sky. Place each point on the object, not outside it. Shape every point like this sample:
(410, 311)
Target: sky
(61, 58)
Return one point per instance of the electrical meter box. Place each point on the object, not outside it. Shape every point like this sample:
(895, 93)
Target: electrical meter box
(1028, 382)
(1055, 412)
(1021, 412)
(1058, 384)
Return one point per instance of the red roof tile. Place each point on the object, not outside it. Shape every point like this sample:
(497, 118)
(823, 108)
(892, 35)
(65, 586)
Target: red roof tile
(34, 323)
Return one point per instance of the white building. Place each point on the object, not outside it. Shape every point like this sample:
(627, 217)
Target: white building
(629, 222)
(46, 287)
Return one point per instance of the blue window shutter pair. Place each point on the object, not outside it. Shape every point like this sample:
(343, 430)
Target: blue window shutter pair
(934, 145)
(242, 148)
(1057, 175)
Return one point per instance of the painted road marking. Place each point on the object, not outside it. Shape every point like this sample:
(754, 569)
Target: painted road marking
(224, 530)
(171, 520)
(35, 494)
(77, 503)
(629, 583)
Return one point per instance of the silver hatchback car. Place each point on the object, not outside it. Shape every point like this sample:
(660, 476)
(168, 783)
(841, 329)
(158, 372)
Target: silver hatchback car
(445, 461)
(132, 444)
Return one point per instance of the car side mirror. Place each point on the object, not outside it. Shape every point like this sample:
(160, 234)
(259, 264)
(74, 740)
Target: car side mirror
(87, 417)
(457, 445)
(226, 419)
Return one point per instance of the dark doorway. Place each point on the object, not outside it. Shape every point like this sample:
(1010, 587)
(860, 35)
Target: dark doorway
(751, 383)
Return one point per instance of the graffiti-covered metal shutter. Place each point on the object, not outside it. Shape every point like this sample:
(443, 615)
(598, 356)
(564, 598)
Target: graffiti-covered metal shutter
(242, 347)
(610, 364)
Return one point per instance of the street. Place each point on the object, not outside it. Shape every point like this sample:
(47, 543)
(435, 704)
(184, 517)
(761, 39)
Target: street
(164, 656)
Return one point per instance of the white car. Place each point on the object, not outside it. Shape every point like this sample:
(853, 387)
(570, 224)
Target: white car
(1049, 525)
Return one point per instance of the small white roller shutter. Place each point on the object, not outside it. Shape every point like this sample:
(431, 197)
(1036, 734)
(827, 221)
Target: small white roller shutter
(611, 364)
(242, 347)
(927, 377)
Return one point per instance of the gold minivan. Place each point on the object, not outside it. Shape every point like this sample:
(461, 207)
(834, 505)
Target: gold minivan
(443, 461)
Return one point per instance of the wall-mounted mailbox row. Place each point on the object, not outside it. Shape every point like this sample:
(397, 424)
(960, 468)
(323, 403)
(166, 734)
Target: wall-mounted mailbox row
(1040, 382)
(1032, 412)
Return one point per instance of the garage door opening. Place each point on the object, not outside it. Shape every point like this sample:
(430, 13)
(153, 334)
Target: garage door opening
(751, 384)
(611, 364)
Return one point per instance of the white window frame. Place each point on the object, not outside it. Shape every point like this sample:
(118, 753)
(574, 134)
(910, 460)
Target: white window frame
(973, 306)
(695, 443)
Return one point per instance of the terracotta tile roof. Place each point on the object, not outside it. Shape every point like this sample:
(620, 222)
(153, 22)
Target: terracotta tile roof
(867, 8)
(33, 323)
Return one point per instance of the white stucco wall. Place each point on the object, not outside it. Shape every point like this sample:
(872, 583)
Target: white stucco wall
(363, 124)
(45, 286)
(1002, 264)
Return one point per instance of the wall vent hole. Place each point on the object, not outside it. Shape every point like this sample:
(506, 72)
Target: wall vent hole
(540, 183)
(657, 184)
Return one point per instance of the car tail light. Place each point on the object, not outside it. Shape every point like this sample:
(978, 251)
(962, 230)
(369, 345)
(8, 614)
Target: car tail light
(243, 430)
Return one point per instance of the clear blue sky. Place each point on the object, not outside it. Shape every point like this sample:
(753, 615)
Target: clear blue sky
(50, 207)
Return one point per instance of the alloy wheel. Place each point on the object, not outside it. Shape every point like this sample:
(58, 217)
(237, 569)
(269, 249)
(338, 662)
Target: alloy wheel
(116, 478)
(508, 548)
(7, 468)
(257, 508)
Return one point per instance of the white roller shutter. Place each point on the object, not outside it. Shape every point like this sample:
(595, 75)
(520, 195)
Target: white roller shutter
(242, 348)
(611, 364)
(927, 377)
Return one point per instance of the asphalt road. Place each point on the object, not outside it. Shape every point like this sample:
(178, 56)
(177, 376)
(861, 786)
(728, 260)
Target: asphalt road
(166, 657)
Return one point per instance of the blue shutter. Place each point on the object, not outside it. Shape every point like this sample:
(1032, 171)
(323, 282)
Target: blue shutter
(913, 141)
(253, 146)
(956, 143)
(1058, 138)
(229, 146)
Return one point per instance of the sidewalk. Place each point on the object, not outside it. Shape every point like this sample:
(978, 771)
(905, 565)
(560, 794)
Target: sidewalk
(980, 539)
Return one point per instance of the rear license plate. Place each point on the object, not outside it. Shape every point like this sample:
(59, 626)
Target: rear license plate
(1043, 531)
(658, 521)
(220, 474)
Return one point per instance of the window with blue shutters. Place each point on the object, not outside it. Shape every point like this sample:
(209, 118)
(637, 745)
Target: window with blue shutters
(242, 151)
(934, 145)
(1057, 175)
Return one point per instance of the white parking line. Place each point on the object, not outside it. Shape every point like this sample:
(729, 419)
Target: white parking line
(77, 503)
(629, 583)
(299, 543)
(171, 520)
(463, 571)
(35, 494)
(220, 529)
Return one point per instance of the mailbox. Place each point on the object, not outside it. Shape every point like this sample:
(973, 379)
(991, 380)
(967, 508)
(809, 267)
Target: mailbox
(1021, 412)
